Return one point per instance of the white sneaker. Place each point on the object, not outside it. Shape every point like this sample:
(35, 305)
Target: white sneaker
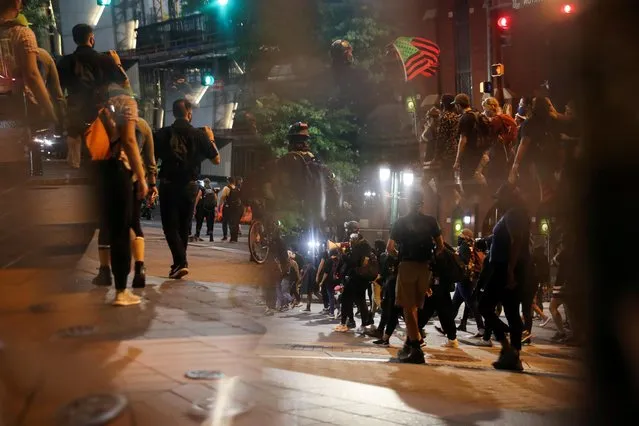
(125, 298)
(484, 343)
(451, 344)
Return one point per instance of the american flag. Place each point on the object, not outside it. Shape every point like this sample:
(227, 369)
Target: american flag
(419, 56)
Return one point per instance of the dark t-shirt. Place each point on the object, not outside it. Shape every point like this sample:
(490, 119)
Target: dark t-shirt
(515, 223)
(199, 146)
(331, 267)
(359, 251)
(414, 235)
(468, 128)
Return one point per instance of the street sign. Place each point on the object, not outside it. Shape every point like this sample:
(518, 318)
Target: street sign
(519, 4)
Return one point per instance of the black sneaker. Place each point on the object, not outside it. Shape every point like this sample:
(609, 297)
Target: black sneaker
(377, 333)
(509, 361)
(382, 342)
(414, 356)
(351, 324)
(104, 278)
(179, 272)
(462, 327)
(440, 330)
(224, 238)
(139, 281)
(403, 352)
(422, 333)
(307, 309)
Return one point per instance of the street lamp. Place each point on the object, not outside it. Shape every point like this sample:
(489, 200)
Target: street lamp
(408, 178)
(467, 220)
(384, 174)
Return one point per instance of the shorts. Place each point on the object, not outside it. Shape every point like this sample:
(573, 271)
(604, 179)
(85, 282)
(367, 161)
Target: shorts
(413, 281)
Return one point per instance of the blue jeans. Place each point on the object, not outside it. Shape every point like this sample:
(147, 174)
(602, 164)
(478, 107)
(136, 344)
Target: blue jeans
(284, 297)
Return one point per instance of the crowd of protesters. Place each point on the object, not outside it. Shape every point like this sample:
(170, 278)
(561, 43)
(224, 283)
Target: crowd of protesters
(477, 154)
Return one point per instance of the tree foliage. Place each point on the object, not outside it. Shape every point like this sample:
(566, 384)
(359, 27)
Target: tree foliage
(39, 21)
(330, 131)
(365, 31)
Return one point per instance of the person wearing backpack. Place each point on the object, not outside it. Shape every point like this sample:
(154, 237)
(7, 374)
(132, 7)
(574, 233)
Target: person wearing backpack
(204, 210)
(504, 132)
(232, 209)
(84, 75)
(181, 148)
(474, 141)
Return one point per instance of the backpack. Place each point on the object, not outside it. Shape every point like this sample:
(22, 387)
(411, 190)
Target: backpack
(484, 134)
(233, 199)
(370, 271)
(449, 267)
(209, 200)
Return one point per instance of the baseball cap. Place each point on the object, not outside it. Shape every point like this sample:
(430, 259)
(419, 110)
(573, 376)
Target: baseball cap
(462, 99)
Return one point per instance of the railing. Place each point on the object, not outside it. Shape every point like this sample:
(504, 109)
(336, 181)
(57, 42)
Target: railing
(190, 32)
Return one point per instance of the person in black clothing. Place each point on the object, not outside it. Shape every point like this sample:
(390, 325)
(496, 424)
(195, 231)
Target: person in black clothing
(412, 239)
(355, 285)
(464, 289)
(469, 150)
(510, 263)
(390, 311)
(330, 278)
(181, 148)
(83, 74)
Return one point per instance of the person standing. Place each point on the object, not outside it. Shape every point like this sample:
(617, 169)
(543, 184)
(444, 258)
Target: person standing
(510, 264)
(412, 239)
(204, 210)
(232, 209)
(181, 148)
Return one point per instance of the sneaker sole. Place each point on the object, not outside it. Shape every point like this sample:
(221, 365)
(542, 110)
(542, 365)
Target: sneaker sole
(180, 274)
(126, 303)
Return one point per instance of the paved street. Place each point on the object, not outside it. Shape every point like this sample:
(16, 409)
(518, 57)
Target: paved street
(62, 341)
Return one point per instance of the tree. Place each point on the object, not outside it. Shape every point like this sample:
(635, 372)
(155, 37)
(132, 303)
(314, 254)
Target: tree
(330, 131)
(39, 21)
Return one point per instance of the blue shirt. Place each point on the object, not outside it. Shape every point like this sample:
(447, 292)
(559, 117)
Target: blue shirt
(515, 223)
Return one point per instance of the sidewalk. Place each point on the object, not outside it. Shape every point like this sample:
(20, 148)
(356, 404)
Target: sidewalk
(58, 172)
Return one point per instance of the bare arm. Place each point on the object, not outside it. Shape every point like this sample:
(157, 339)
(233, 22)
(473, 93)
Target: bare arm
(130, 147)
(211, 137)
(148, 152)
(33, 80)
(521, 152)
(320, 268)
(463, 140)
(390, 248)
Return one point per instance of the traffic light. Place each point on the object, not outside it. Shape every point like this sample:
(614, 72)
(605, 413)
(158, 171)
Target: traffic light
(104, 2)
(222, 2)
(503, 22)
(411, 104)
(568, 9)
(496, 70)
(208, 79)
(504, 26)
(486, 87)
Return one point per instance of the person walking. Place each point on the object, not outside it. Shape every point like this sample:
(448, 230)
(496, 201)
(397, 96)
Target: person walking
(510, 264)
(181, 148)
(412, 239)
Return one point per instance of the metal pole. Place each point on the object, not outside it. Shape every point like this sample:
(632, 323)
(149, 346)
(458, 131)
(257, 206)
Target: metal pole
(489, 37)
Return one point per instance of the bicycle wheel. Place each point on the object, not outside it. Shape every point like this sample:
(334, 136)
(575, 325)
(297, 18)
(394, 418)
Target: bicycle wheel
(258, 242)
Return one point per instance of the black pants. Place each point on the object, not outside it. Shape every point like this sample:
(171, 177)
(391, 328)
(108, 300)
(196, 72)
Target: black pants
(117, 196)
(390, 312)
(105, 233)
(355, 294)
(496, 292)
(200, 216)
(225, 222)
(234, 216)
(529, 289)
(176, 207)
(440, 301)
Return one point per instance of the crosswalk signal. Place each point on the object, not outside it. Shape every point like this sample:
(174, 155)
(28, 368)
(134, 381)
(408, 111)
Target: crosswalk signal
(486, 87)
(104, 2)
(497, 70)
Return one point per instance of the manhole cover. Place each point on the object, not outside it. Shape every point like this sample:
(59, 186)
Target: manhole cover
(204, 374)
(206, 408)
(77, 331)
(92, 410)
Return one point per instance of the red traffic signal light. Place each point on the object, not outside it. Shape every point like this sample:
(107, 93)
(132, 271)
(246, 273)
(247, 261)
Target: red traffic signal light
(568, 9)
(503, 23)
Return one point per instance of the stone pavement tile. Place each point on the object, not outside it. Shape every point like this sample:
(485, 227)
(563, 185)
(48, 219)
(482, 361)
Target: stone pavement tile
(411, 419)
(325, 414)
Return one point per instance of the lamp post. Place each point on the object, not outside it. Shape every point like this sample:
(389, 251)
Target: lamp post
(398, 180)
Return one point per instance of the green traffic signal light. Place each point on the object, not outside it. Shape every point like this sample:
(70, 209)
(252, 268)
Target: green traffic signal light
(222, 2)
(208, 80)
(104, 2)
